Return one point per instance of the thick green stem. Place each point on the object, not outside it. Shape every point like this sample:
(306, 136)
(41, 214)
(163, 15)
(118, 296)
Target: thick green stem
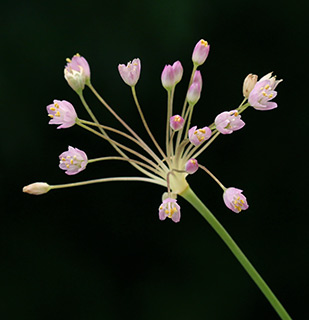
(192, 198)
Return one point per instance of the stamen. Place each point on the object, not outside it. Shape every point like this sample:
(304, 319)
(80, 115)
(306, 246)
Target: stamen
(267, 86)
(68, 60)
(202, 130)
(205, 43)
(52, 109)
(56, 105)
(67, 165)
(71, 161)
(63, 159)
(57, 114)
(50, 115)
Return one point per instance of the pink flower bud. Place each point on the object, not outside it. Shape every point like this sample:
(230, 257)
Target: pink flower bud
(171, 75)
(197, 78)
(73, 161)
(249, 84)
(235, 200)
(176, 122)
(200, 52)
(63, 113)
(77, 73)
(228, 122)
(169, 208)
(37, 188)
(194, 93)
(191, 166)
(130, 73)
(196, 137)
(263, 92)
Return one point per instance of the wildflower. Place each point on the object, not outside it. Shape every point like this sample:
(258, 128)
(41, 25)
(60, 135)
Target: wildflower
(130, 73)
(176, 122)
(73, 161)
(263, 92)
(200, 52)
(77, 73)
(235, 200)
(196, 137)
(63, 113)
(37, 188)
(169, 208)
(171, 75)
(228, 122)
(249, 84)
(191, 166)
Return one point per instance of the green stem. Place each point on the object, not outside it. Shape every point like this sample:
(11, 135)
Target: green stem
(191, 197)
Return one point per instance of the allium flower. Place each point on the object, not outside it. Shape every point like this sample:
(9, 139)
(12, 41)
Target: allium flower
(191, 166)
(77, 73)
(63, 113)
(235, 200)
(228, 122)
(169, 208)
(130, 73)
(171, 75)
(200, 52)
(197, 136)
(263, 92)
(37, 188)
(249, 83)
(73, 161)
(176, 122)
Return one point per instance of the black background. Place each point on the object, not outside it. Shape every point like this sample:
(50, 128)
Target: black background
(100, 252)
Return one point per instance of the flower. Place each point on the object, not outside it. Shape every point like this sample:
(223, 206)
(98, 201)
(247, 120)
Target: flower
(171, 75)
(235, 200)
(73, 161)
(249, 84)
(130, 73)
(63, 113)
(176, 122)
(196, 137)
(263, 92)
(229, 121)
(191, 166)
(77, 73)
(200, 52)
(37, 188)
(169, 208)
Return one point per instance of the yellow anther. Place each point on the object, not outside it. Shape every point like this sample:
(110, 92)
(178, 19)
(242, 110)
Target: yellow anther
(264, 94)
(68, 157)
(236, 114)
(74, 157)
(174, 209)
(177, 118)
(63, 159)
(270, 95)
(68, 60)
(267, 86)
(57, 114)
(56, 105)
(71, 161)
(50, 115)
(77, 55)
(201, 138)
(193, 161)
(166, 211)
(242, 201)
(205, 43)
(161, 208)
(67, 165)
(202, 130)
(52, 109)
(261, 88)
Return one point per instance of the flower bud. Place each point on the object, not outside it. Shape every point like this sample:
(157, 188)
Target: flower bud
(249, 84)
(176, 122)
(37, 188)
(200, 52)
(130, 73)
(194, 93)
(77, 73)
(191, 166)
(171, 75)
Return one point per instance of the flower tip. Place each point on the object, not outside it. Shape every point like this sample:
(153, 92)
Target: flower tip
(200, 52)
(130, 73)
(191, 166)
(37, 188)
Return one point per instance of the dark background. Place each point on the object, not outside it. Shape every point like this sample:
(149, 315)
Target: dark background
(100, 252)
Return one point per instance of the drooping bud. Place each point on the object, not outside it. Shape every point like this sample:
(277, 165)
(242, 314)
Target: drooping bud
(73, 161)
(191, 166)
(196, 137)
(63, 113)
(171, 75)
(37, 188)
(130, 73)
(235, 200)
(77, 73)
(229, 121)
(176, 122)
(200, 52)
(249, 84)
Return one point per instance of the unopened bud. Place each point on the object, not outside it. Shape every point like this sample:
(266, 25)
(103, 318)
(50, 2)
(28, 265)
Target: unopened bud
(249, 84)
(37, 188)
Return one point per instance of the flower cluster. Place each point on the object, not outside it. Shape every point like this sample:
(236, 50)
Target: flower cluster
(169, 166)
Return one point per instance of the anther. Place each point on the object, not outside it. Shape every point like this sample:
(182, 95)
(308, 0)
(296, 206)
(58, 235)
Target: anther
(50, 115)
